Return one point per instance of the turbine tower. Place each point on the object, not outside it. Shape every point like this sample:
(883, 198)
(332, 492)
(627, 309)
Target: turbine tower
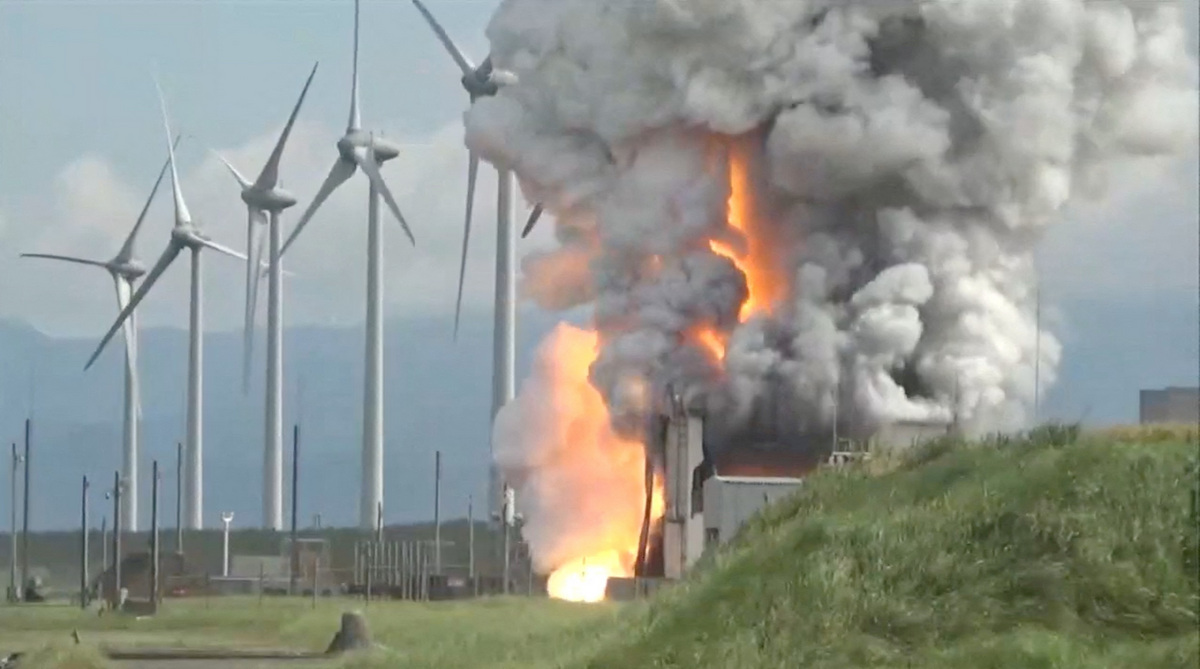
(186, 234)
(125, 269)
(361, 149)
(265, 199)
(485, 81)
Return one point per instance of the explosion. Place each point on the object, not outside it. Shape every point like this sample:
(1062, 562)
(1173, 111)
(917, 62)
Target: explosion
(797, 208)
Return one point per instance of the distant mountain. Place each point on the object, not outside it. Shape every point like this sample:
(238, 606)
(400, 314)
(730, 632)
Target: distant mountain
(437, 394)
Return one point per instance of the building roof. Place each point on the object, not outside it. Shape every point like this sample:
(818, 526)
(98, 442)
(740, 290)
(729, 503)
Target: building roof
(764, 462)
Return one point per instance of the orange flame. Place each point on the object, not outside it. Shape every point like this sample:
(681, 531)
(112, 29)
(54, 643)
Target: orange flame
(583, 416)
(582, 420)
(756, 262)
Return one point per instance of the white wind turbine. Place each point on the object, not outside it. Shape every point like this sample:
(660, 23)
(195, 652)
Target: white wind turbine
(186, 234)
(361, 149)
(485, 81)
(125, 269)
(265, 199)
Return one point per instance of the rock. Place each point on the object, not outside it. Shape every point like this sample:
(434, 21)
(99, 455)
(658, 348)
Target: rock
(354, 634)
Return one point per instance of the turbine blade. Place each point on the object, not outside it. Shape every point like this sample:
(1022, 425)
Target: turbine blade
(355, 122)
(219, 248)
(472, 173)
(485, 68)
(54, 256)
(242, 181)
(253, 235)
(371, 168)
(127, 249)
(341, 171)
(182, 216)
(270, 173)
(129, 332)
(533, 219)
(464, 64)
(164, 261)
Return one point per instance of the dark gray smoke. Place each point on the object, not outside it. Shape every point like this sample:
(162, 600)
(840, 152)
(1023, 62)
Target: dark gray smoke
(910, 156)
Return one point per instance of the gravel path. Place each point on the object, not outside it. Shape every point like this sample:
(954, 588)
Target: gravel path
(215, 664)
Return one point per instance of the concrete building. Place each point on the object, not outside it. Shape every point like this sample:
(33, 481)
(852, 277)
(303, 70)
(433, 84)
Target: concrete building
(743, 481)
(1169, 405)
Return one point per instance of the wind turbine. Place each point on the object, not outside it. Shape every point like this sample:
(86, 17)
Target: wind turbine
(265, 199)
(125, 269)
(361, 149)
(485, 81)
(186, 234)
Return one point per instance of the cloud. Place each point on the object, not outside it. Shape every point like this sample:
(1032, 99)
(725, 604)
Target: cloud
(91, 209)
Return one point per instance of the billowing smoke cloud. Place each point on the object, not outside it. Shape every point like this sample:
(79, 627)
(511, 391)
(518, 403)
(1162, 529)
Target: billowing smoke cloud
(907, 158)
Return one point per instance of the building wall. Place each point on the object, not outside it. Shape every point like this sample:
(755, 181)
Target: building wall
(1170, 405)
(729, 502)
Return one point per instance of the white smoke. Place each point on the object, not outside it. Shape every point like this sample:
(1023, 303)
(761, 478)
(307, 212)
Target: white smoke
(912, 155)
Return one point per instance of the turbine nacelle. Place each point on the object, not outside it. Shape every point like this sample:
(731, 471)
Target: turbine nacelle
(357, 140)
(275, 199)
(188, 237)
(479, 85)
(129, 270)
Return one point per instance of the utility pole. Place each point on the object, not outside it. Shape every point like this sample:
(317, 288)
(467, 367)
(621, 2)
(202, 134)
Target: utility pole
(14, 593)
(25, 514)
(154, 544)
(117, 538)
(471, 545)
(179, 497)
(295, 553)
(507, 522)
(104, 542)
(437, 513)
(83, 546)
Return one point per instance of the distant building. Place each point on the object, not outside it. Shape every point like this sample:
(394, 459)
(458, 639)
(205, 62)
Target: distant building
(1169, 405)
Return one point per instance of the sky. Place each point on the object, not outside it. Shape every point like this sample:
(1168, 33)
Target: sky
(81, 143)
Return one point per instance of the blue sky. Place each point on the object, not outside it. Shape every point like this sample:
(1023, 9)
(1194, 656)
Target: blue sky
(81, 141)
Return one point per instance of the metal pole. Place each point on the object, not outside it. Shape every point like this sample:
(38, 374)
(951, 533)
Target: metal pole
(506, 524)
(379, 523)
(13, 591)
(179, 497)
(83, 546)
(103, 545)
(437, 513)
(154, 553)
(369, 564)
(315, 580)
(25, 514)
(226, 519)
(471, 545)
(117, 537)
(295, 553)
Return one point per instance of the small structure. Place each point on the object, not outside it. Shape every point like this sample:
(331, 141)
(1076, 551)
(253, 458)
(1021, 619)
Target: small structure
(744, 481)
(1169, 405)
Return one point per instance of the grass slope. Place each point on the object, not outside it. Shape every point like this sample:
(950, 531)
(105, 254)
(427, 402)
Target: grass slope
(1036, 552)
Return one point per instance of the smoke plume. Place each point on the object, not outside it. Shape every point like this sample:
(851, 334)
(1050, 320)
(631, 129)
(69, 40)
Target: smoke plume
(903, 159)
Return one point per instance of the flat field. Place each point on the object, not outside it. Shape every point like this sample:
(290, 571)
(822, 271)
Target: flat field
(499, 632)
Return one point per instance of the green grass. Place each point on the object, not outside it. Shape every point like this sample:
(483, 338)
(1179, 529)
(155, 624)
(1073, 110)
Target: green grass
(1058, 550)
(506, 632)
(1028, 552)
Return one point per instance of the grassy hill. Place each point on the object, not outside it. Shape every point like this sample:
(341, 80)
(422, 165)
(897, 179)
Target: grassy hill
(1045, 551)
